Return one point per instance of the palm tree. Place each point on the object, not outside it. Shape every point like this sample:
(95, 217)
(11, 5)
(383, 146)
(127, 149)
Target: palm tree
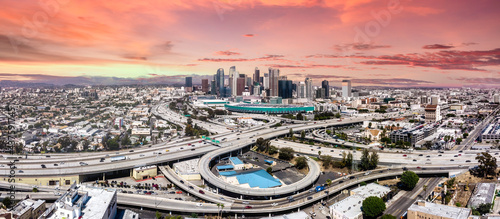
(329, 182)
(218, 211)
(222, 208)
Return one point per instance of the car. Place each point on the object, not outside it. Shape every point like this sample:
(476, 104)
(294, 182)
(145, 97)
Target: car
(248, 207)
(455, 156)
(439, 155)
(246, 202)
(201, 192)
(56, 165)
(452, 160)
(459, 154)
(309, 197)
(43, 166)
(421, 155)
(414, 159)
(468, 161)
(291, 200)
(191, 187)
(331, 150)
(418, 167)
(428, 156)
(199, 204)
(141, 155)
(274, 204)
(47, 155)
(404, 155)
(131, 151)
(237, 138)
(460, 151)
(496, 153)
(222, 198)
(178, 192)
(20, 171)
(182, 148)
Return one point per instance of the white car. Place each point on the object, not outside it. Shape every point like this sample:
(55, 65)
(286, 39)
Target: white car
(199, 204)
(274, 204)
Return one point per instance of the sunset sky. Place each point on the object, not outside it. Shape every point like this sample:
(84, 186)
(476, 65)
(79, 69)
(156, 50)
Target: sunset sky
(372, 42)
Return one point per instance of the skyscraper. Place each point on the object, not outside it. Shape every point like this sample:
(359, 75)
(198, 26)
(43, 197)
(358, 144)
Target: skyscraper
(301, 90)
(219, 82)
(204, 85)
(285, 89)
(256, 75)
(233, 80)
(265, 81)
(240, 86)
(346, 88)
(326, 86)
(273, 81)
(213, 87)
(309, 90)
(189, 82)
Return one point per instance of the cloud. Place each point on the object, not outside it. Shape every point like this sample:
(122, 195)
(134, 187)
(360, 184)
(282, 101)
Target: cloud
(227, 53)
(495, 81)
(151, 78)
(248, 35)
(392, 81)
(446, 59)
(304, 66)
(264, 58)
(317, 76)
(358, 46)
(437, 46)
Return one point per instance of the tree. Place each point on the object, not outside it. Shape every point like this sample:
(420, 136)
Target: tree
(158, 215)
(269, 170)
(484, 208)
(409, 179)
(349, 160)
(459, 140)
(319, 153)
(373, 160)
(286, 153)
(487, 164)
(301, 163)
(327, 160)
(7, 202)
(365, 160)
(290, 132)
(329, 182)
(300, 116)
(302, 135)
(387, 216)
(373, 207)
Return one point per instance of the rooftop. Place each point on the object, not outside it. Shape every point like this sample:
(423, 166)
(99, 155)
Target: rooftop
(235, 160)
(440, 210)
(483, 193)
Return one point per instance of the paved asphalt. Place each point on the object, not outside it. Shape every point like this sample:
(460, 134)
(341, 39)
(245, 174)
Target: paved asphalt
(400, 206)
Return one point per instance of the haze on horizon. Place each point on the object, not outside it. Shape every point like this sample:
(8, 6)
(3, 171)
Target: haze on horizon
(382, 43)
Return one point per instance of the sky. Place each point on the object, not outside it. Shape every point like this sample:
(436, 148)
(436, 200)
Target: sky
(397, 43)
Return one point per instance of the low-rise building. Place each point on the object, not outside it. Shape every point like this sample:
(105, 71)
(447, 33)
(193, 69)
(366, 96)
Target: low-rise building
(432, 113)
(188, 169)
(94, 203)
(350, 207)
(484, 193)
(28, 208)
(430, 210)
(144, 172)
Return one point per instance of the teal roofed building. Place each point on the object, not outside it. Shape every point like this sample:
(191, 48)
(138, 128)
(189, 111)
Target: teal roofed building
(268, 108)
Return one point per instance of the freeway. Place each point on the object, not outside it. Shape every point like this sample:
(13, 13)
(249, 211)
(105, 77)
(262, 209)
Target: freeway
(423, 158)
(257, 206)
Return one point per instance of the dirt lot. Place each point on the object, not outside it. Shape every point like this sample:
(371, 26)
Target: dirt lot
(388, 182)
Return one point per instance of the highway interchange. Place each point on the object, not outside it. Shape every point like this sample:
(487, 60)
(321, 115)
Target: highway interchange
(70, 164)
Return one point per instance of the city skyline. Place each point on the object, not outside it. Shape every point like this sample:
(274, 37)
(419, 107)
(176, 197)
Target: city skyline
(371, 43)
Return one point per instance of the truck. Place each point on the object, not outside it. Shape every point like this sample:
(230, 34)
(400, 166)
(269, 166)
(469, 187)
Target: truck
(319, 188)
(118, 158)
